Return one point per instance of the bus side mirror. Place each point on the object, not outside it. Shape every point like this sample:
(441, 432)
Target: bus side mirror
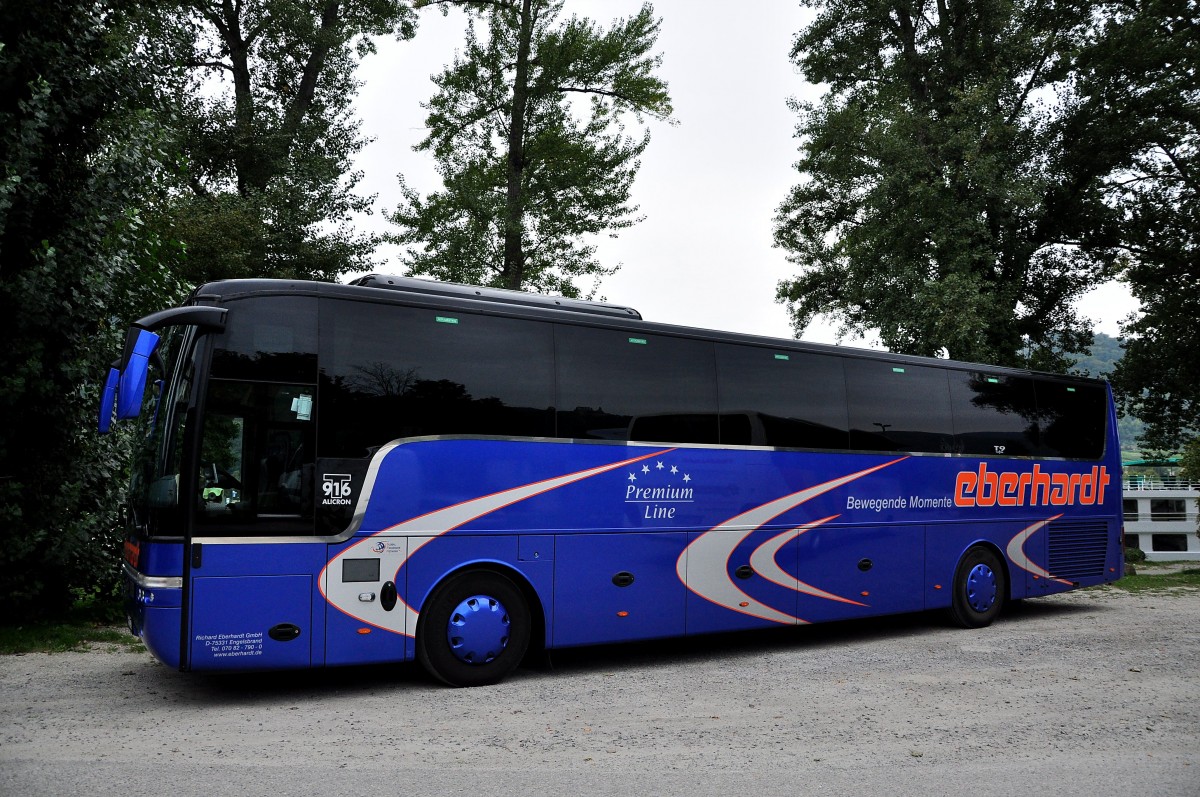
(133, 376)
(108, 398)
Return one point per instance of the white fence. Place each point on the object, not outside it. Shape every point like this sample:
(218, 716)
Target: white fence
(1158, 483)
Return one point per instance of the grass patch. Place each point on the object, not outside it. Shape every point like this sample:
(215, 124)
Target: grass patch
(60, 637)
(1189, 577)
(88, 623)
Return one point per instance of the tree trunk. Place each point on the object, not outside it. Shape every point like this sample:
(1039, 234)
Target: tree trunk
(328, 34)
(254, 171)
(514, 216)
(243, 99)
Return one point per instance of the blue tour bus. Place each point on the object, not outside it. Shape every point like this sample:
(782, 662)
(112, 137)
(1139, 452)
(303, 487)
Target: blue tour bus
(400, 469)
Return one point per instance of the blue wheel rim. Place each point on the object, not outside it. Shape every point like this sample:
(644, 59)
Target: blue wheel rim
(478, 630)
(981, 588)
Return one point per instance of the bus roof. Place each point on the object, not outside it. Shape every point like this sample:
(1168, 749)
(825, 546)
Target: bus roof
(476, 293)
(496, 301)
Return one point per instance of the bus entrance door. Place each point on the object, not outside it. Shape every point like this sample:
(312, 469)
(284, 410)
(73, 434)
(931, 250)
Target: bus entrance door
(249, 605)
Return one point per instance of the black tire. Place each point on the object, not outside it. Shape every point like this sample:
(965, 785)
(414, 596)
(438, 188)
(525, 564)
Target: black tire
(485, 654)
(980, 588)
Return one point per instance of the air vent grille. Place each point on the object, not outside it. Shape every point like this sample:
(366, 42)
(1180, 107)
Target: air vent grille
(1078, 549)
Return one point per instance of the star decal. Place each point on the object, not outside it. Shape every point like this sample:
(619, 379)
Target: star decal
(645, 471)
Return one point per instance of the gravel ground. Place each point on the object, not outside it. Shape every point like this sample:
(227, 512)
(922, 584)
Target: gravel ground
(1092, 692)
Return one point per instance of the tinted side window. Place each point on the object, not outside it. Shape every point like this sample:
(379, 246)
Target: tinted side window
(898, 407)
(390, 372)
(269, 339)
(993, 414)
(1073, 419)
(784, 399)
(615, 385)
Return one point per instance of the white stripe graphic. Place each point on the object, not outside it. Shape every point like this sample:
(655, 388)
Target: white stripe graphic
(1016, 551)
(763, 558)
(432, 525)
(763, 562)
(708, 555)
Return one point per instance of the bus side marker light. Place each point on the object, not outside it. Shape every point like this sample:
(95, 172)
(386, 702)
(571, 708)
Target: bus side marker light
(744, 604)
(364, 630)
(864, 593)
(622, 614)
(937, 586)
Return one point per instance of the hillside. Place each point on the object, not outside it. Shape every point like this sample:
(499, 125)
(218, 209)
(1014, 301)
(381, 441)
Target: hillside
(1106, 351)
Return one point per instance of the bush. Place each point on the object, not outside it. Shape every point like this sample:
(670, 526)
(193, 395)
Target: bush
(1134, 556)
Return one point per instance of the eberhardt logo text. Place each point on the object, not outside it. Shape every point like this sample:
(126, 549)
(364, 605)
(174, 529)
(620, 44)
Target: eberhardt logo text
(1038, 488)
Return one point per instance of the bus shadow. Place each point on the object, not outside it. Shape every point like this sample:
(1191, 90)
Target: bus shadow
(266, 688)
(274, 686)
(754, 644)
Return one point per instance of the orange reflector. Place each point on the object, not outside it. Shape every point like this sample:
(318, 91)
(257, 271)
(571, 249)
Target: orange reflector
(937, 586)
(1035, 578)
(364, 630)
(864, 593)
(744, 604)
(622, 614)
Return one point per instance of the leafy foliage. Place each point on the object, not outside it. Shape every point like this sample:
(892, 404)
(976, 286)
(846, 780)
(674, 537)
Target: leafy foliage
(263, 119)
(80, 158)
(527, 172)
(130, 173)
(935, 203)
(1101, 357)
(1134, 556)
(1139, 111)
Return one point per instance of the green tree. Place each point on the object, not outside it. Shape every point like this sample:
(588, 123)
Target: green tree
(1101, 358)
(1139, 113)
(528, 172)
(933, 203)
(80, 158)
(263, 114)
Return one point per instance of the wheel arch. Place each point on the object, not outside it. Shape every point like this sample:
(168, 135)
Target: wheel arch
(537, 611)
(1004, 563)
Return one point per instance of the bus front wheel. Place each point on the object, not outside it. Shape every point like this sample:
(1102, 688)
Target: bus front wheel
(474, 629)
(979, 588)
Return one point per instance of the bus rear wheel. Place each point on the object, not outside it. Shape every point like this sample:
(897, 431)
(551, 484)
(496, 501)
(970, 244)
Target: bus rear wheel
(979, 588)
(474, 629)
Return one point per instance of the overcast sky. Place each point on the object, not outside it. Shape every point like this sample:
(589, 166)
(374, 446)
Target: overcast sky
(708, 186)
